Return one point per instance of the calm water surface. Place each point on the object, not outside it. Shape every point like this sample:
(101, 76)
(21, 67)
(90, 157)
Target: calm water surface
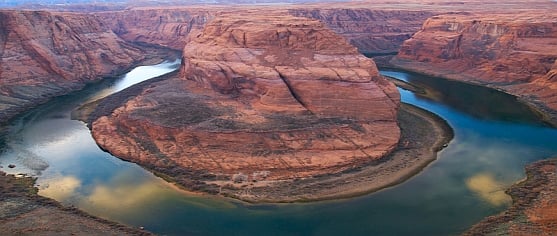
(495, 136)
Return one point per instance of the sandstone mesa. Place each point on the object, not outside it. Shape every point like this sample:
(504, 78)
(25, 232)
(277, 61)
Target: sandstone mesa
(259, 98)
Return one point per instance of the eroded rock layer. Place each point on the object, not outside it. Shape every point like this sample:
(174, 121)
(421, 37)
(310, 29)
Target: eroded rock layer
(513, 52)
(44, 54)
(259, 98)
(372, 31)
(534, 209)
(167, 27)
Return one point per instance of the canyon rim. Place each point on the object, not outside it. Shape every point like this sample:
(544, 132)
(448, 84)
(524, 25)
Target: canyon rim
(274, 96)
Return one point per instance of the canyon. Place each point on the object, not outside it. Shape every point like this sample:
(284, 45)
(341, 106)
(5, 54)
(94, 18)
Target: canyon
(264, 104)
(61, 51)
(259, 99)
(515, 53)
(370, 30)
(45, 54)
(375, 29)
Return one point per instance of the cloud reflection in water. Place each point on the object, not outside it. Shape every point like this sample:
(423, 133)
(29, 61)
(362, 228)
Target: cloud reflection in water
(123, 196)
(489, 189)
(61, 188)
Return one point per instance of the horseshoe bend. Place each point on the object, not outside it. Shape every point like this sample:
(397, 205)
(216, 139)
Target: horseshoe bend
(260, 103)
(276, 104)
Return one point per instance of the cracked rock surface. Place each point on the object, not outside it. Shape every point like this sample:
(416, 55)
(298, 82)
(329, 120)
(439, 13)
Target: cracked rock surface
(258, 99)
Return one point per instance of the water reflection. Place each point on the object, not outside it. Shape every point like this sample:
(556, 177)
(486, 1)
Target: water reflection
(70, 166)
(123, 194)
(479, 102)
(464, 185)
(488, 188)
(60, 188)
(137, 75)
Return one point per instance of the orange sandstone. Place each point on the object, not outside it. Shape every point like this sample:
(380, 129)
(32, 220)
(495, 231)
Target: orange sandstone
(259, 98)
(512, 52)
(44, 54)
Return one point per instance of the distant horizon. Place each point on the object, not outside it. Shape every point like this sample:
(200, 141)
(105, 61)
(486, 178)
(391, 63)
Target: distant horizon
(23, 3)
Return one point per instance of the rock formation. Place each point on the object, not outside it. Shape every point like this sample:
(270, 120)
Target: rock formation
(44, 54)
(516, 53)
(534, 209)
(167, 27)
(259, 98)
(371, 31)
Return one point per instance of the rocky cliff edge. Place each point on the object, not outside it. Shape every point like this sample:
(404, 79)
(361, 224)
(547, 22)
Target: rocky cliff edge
(258, 99)
(512, 52)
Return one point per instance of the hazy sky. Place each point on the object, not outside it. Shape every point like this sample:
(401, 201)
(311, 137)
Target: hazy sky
(7, 3)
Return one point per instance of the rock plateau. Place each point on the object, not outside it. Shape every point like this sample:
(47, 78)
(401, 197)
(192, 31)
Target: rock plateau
(259, 99)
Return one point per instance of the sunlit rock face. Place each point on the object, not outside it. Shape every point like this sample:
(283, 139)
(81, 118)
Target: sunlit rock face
(513, 52)
(44, 54)
(259, 97)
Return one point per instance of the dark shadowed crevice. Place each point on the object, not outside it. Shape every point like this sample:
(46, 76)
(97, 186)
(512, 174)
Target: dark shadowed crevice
(292, 92)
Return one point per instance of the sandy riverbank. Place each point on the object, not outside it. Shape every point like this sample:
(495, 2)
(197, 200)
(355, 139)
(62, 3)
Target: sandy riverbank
(23, 212)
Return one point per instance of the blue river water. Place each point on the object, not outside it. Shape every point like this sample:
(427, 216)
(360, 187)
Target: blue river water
(495, 137)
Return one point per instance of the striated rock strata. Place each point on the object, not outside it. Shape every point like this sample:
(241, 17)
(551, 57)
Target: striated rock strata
(516, 53)
(44, 54)
(260, 100)
(167, 27)
(534, 209)
(370, 30)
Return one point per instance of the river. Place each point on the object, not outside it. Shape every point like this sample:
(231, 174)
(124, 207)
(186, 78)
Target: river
(495, 137)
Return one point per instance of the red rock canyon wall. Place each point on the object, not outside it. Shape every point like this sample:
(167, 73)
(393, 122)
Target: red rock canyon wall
(44, 54)
(513, 52)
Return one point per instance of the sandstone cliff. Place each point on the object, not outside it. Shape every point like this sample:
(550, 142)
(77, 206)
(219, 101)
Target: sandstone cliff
(516, 53)
(370, 30)
(167, 27)
(45, 54)
(259, 98)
